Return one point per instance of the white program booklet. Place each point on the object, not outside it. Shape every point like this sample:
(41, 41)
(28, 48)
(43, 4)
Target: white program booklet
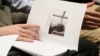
(60, 24)
(6, 43)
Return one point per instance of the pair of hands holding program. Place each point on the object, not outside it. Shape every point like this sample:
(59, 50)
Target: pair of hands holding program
(91, 21)
(23, 30)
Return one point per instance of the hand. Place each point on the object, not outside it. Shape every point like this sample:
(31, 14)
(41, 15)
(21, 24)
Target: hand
(91, 3)
(23, 30)
(91, 19)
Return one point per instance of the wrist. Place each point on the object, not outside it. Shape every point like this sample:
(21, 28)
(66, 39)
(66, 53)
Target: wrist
(3, 31)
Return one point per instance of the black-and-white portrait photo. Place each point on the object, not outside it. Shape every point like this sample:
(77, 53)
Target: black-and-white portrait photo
(58, 22)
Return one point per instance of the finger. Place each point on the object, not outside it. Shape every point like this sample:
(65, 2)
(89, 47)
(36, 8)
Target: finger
(90, 4)
(26, 35)
(93, 13)
(36, 30)
(29, 32)
(29, 26)
(91, 27)
(24, 39)
(92, 23)
(91, 18)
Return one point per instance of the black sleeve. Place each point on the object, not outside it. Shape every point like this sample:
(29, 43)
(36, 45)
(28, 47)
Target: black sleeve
(80, 1)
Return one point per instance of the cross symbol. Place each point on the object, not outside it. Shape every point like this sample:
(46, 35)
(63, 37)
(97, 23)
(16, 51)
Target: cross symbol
(61, 16)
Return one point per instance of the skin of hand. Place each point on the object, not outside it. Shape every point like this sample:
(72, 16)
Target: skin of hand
(23, 30)
(91, 18)
(91, 3)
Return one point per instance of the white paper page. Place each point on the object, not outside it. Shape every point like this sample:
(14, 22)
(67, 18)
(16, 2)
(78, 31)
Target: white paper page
(6, 43)
(42, 13)
(40, 48)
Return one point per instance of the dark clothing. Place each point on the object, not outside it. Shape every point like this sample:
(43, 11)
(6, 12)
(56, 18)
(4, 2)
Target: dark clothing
(5, 2)
(86, 48)
(17, 52)
(80, 1)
